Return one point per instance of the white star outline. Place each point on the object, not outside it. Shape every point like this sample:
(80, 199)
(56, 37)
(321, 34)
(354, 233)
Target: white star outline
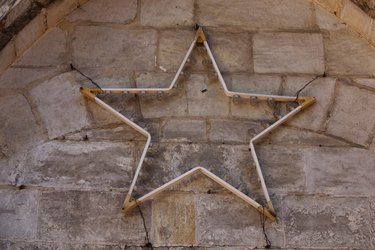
(200, 38)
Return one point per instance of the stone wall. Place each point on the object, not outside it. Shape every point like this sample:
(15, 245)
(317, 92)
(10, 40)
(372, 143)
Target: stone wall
(66, 164)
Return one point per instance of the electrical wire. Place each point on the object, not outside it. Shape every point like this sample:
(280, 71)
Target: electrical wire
(263, 224)
(91, 80)
(307, 84)
(148, 242)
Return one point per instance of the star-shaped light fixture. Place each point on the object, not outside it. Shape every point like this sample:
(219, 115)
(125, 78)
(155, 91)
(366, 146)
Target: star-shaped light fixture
(200, 38)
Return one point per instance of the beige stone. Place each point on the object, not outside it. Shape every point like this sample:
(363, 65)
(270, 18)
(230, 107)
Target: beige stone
(173, 219)
(356, 18)
(186, 130)
(352, 117)
(367, 82)
(29, 34)
(326, 20)
(58, 10)
(167, 13)
(7, 55)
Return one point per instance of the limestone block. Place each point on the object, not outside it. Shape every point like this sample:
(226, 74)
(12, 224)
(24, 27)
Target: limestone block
(372, 216)
(206, 97)
(7, 55)
(167, 13)
(173, 219)
(339, 44)
(21, 77)
(29, 34)
(18, 213)
(95, 46)
(38, 55)
(322, 89)
(227, 131)
(224, 219)
(340, 171)
(58, 10)
(288, 53)
(356, 18)
(17, 12)
(111, 11)
(367, 82)
(326, 222)
(353, 116)
(187, 130)
(76, 216)
(327, 21)
(257, 84)
(60, 105)
(282, 14)
(98, 165)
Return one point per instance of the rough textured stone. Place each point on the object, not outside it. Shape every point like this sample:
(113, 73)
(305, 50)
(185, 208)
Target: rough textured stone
(60, 105)
(339, 44)
(37, 55)
(187, 130)
(224, 219)
(68, 216)
(21, 77)
(288, 53)
(253, 14)
(206, 97)
(100, 165)
(173, 219)
(7, 55)
(340, 171)
(45, 245)
(367, 82)
(258, 84)
(166, 13)
(322, 89)
(58, 10)
(116, 11)
(326, 20)
(95, 46)
(326, 222)
(356, 18)
(233, 131)
(29, 34)
(18, 213)
(352, 117)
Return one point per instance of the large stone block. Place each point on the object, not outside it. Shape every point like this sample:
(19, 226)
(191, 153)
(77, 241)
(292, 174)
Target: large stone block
(353, 116)
(7, 55)
(339, 44)
(74, 216)
(367, 82)
(166, 13)
(256, 84)
(288, 53)
(187, 130)
(58, 10)
(18, 214)
(97, 165)
(111, 11)
(95, 46)
(60, 104)
(173, 219)
(228, 131)
(206, 97)
(224, 219)
(326, 222)
(21, 77)
(38, 55)
(340, 171)
(326, 20)
(253, 14)
(322, 89)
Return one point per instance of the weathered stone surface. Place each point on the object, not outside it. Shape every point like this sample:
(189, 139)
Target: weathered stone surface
(45, 245)
(60, 104)
(21, 77)
(58, 10)
(326, 20)
(206, 97)
(173, 219)
(68, 216)
(80, 165)
(38, 55)
(172, 104)
(29, 34)
(95, 46)
(288, 53)
(342, 43)
(233, 131)
(18, 213)
(116, 11)
(352, 117)
(356, 18)
(367, 82)
(322, 89)
(187, 130)
(281, 14)
(326, 222)
(340, 171)
(7, 55)
(224, 219)
(258, 84)
(166, 13)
